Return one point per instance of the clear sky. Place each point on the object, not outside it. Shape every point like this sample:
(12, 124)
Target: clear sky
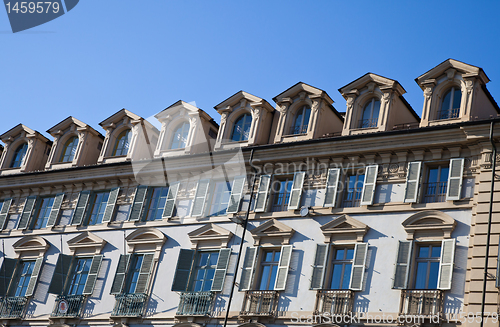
(105, 55)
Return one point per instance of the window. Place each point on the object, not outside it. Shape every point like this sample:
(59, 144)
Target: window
(156, 205)
(281, 194)
(341, 268)
(301, 121)
(269, 269)
(69, 150)
(450, 107)
(79, 276)
(427, 270)
(353, 190)
(241, 129)
(180, 135)
(134, 271)
(19, 154)
(122, 143)
(219, 201)
(97, 208)
(204, 271)
(43, 211)
(436, 185)
(370, 114)
(22, 278)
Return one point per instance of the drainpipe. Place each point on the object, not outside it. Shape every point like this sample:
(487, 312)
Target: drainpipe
(493, 167)
(245, 223)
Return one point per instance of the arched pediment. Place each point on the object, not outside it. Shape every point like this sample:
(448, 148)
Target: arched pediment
(146, 239)
(34, 244)
(344, 228)
(88, 242)
(272, 229)
(429, 223)
(210, 235)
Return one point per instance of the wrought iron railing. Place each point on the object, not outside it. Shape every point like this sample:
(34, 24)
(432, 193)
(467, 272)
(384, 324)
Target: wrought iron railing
(405, 126)
(129, 305)
(195, 303)
(426, 303)
(12, 307)
(334, 302)
(298, 129)
(367, 123)
(352, 197)
(435, 192)
(260, 303)
(448, 113)
(70, 306)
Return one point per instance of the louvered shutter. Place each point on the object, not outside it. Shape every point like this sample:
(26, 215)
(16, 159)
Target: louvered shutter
(296, 192)
(145, 273)
(110, 206)
(369, 185)
(6, 273)
(81, 205)
(332, 182)
(248, 268)
(34, 276)
(497, 281)
(56, 207)
(402, 269)
(412, 181)
(92, 276)
(319, 266)
(220, 270)
(60, 273)
(29, 207)
(358, 266)
(262, 193)
(455, 175)
(200, 198)
(121, 272)
(4, 212)
(173, 189)
(446, 264)
(183, 270)
(236, 194)
(139, 199)
(284, 266)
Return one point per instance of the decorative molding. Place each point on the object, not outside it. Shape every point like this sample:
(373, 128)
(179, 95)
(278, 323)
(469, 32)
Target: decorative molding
(272, 228)
(146, 239)
(344, 228)
(87, 241)
(31, 244)
(429, 223)
(210, 233)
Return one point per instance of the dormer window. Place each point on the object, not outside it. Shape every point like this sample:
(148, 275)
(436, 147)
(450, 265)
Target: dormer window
(301, 121)
(179, 138)
(450, 107)
(69, 150)
(241, 129)
(370, 114)
(19, 154)
(122, 143)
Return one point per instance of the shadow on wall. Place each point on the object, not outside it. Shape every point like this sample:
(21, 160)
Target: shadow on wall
(152, 306)
(219, 305)
(283, 305)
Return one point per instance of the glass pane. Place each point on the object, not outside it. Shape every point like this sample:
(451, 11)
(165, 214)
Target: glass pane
(339, 255)
(433, 275)
(203, 259)
(350, 254)
(213, 259)
(433, 175)
(274, 271)
(436, 251)
(421, 275)
(210, 274)
(197, 286)
(423, 252)
(307, 115)
(347, 276)
(336, 277)
(266, 270)
(367, 111)
(277, 256)
(457, 99)
(446, 101)
(200, 274)
(376, 109)
(268, 256)
(444, 174)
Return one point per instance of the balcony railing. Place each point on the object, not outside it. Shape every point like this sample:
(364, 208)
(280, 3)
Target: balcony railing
(334, 302)
(195, 303)
(405, 126)
(368, 123)
(435, 192)
(448, 113)
(298, 129)
(12, 307)
(260, 303)
(352, 197)
(425, 303)
(129, 305)
(68, 306)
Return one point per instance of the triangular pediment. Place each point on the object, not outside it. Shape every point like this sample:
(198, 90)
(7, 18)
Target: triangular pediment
(118, 117)
(448, 64)
(371, 80)
(236, 98)
(343, 222)
(344, 227)
(71, 122)
(302, 87)
(210, 233)
(21, 130)
(31, 243)
(429, 222)
(273, 228)
(87, 240)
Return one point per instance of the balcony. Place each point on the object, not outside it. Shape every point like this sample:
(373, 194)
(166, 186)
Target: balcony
(12, 307)
(129, 305)
(334, 302)
(195, 304)
(435, 192)
(448, 113)
(368, 123)
(422, 303)
(68, 306)
(260, 303)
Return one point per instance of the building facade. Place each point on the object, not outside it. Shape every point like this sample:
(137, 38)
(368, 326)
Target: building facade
(375, 216)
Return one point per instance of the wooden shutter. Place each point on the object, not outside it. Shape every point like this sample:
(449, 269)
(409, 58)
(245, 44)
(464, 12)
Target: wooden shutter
(319, 266)
(332, 182)
(412, 181)
(145, 273)
(81, 206)
(220, 270)
(183, 270)
(200, 198)
(110, 206)
(358, 266)
(455, 175)
(284, 266)
(6, 273)
(34, 276)
(248, 268)
(262, 193)
(296, 192)
(139, 199)
(4, 212)
(402, 269)
(121, 272)
(446, 264)
(60, 274)
(369, 185)
(56, 207)
(29, 207)
(92, 276)
(173, 189)
(236, 194)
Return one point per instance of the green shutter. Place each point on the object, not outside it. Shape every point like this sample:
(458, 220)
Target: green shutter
(56, 207)
(121, 271)
(169, 208)
(412, 181)
(319, 266)
(34, 276)
(296, 192)
(110, 206)
(220, 270)
(6, 273)
(455, 175)
(446, 264)
(236, 194)
(183, 270)
(81, 205)
(145, 273)
(284, 266)
(358, 266)
(262, 193)
(332, 182)
(29, 206)
(402, 269)
(92, 276)
(60, 274)
(4, 212)
(248, 268)
(139, 199)
(369, 185)
(200, 198)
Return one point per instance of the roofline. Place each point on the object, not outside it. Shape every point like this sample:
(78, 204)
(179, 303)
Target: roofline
(368, 74)
(480, 69)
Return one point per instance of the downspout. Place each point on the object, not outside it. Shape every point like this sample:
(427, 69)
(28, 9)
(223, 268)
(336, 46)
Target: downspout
(245, 224)
(493, 167)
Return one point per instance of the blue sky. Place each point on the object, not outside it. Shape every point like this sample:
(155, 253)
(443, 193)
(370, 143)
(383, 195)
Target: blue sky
(145, 55)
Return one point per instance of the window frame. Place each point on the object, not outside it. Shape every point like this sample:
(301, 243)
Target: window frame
(146, 210)
(439, 184)
(371, 102)
(22, 148)
(73, 273)
(38, 208)
(70, 141)
(331, 265)
(19, 274)
(301, 111)
(212, 197)
(195, 268)
(345, 190)
(429, 259)
(288, 179)
(179, 129)
(126, 133)
(450, 110)
(245, 116)
(91, 205)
